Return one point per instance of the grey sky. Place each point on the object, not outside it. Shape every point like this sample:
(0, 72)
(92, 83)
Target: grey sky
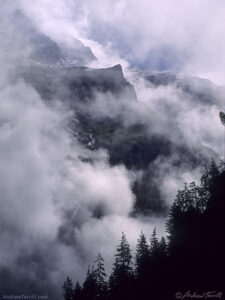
(49, 192)
(185, 36)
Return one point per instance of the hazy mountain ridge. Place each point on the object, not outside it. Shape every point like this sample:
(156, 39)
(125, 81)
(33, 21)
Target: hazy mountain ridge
(87, 153)
(76, 84)
(133, 145)
(104, 104)
(199, 89)
(47, 52)
(56, 72)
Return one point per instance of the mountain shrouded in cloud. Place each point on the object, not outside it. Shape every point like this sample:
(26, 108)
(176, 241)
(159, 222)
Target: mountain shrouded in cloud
(164, 35)
(88, 150)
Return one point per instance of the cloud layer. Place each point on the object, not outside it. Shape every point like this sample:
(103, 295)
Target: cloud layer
(60, 202)
(164, 35)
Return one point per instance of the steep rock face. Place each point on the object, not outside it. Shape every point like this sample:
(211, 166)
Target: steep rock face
(134, 145)
(44, 51)
(76, 84)
(58, 75)
(200, 90)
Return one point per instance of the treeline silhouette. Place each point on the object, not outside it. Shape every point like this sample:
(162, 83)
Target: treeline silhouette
(190, 260)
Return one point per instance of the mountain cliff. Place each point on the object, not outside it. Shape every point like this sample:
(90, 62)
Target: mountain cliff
(58, 73)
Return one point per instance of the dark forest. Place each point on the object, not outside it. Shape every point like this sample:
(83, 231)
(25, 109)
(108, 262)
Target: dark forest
(188, 263)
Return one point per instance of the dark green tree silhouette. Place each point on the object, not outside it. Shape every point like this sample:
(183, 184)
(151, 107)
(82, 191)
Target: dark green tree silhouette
(192, 259)
(142, 257)
(122, 272)
(154, 244)
(68, 289)
(207, 180)
(162, 247)
(90, 288)
(78, 292)
(182, 220)
(95, 285)
(210, 174)
(100, 277)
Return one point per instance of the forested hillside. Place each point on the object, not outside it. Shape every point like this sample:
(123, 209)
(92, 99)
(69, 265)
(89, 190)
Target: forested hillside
(108, 114)
(189, 260)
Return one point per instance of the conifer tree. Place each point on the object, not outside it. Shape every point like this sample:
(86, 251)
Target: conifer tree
(210, 175)
(68, 289)
(122, 272)
(154, 244)
(90, 284)
(186, 199)
(100, 277)
(173, 225)
(78, 293)
(207, 181)
(203, 196)
(142, 256)
(196, 230)
(163, 247)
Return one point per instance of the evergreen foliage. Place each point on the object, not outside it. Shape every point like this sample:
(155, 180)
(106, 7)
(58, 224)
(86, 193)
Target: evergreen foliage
(154, 244)
(78, 293)
(68, 289)
(90, 284)
(191, 259)
(122, 272)
(142, 256)
(100, 277)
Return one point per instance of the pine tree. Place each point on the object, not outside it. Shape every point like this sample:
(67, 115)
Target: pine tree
(154, 244)
(162, 247)
(203, 196)
(100, 277)
(90, 285)
(123, 256)
(142, 256)
(122, 272)
(173, 225)
(207, 181)
(78, 293)
(68, 289)
(186, 199)
(210, 174)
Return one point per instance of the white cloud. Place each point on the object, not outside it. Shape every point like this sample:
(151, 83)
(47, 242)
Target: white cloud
(54, 202)
(184, 36)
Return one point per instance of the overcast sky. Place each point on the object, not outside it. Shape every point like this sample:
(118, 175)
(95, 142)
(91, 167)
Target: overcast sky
(184, 36)
(50, 184)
